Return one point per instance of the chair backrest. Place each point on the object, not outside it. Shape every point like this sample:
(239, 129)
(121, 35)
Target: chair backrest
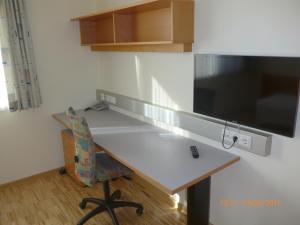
(85, 153)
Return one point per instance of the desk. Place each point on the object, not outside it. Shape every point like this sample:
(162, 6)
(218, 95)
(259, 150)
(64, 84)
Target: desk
(159, 156)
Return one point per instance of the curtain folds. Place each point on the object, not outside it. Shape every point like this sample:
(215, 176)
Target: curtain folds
(18, 57)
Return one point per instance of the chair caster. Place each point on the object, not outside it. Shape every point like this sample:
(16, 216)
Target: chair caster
(140, 211)
(116, 195)
(82, 205)
(62, 171)
(127, 177)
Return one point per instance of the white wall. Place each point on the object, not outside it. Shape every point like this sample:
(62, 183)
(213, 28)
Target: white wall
(255, 27)
(163, 79)
(30, 141)
(259, 27)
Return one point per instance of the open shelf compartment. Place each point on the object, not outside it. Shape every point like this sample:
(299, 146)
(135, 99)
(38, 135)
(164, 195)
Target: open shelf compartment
(145, 26)
(98, 29)
(156, 25)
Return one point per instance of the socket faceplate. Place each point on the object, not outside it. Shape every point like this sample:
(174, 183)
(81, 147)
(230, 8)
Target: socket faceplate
(244, 141)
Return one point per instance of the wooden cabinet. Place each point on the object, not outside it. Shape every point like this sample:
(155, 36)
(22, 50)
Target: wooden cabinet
(69, 152)
(156, 25)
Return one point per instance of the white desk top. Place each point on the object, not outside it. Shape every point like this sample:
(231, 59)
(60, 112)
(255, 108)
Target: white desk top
(159, 156)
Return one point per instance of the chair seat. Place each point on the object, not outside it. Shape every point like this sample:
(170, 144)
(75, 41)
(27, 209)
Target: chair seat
(107, 168)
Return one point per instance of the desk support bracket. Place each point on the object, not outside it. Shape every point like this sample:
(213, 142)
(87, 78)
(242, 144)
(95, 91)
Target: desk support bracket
(198, 203)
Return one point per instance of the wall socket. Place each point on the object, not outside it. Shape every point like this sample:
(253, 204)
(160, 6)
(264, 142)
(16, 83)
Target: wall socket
(102, 97)
(244, 141)
(110, 99)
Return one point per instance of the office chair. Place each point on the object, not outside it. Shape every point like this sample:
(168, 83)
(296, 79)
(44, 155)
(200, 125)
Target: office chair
(91, 167)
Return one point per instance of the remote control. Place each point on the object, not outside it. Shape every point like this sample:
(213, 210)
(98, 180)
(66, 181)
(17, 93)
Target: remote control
(195, 152)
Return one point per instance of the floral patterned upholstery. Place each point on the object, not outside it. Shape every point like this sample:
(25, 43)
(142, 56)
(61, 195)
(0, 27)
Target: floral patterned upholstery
(89, 165)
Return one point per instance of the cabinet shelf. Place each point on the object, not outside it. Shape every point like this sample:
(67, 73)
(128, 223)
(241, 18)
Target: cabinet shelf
(135, 43)
(159, 46)
(157, 25)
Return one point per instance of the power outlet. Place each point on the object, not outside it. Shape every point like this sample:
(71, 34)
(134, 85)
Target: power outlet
(110, 99)
(102, 96)
(228, 137)
(243, 140)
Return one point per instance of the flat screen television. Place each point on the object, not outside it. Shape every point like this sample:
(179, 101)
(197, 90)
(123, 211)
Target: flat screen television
(255, 91)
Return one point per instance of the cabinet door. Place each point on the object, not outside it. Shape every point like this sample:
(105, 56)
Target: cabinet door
(69, 152)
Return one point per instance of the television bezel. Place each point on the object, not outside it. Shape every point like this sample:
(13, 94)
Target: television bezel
(247, 126)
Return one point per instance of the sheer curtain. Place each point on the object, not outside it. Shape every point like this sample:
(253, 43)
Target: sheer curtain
(3, 46)
(19, 85)
(3, 89)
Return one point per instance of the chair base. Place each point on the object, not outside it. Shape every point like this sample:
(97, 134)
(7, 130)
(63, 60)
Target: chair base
(108, 205)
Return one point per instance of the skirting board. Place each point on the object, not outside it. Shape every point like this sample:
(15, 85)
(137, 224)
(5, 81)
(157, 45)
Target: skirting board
(194, 123)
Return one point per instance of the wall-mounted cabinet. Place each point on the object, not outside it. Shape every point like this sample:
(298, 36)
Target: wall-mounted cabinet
(160, 25)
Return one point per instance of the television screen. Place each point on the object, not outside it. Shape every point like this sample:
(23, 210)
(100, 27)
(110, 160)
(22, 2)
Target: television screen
(259, 92)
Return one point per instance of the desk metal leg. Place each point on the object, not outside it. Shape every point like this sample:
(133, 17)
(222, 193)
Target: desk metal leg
(198, 203)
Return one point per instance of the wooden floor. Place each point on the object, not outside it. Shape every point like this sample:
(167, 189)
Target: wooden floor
(51, 199)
